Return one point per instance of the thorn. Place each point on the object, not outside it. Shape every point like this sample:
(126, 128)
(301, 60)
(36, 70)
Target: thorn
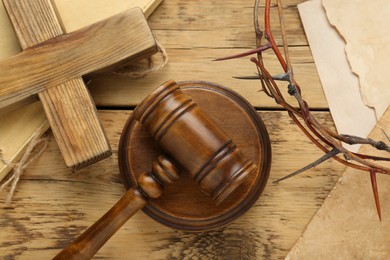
(376, 195)
(247, 77)
(372, 157)
(388, 138)
(281, 77)
(347, 158)
(325, 157)
(247, 53)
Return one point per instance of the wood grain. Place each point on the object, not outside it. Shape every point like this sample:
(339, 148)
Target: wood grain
(75, 124)
(33, 21)
(197, 64)
(96, 236)
(194, 34)
(53, 205)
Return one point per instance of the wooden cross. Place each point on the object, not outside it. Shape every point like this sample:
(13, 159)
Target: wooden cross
(52, 63)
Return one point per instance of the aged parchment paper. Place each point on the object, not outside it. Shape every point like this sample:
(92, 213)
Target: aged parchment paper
(365, 28)
(347, 225)
(341, 86)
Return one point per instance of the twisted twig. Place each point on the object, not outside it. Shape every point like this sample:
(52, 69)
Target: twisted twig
(327, 140)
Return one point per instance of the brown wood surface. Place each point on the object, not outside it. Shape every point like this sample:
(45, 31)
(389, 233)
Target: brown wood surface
(196, 32)
(53, 205)
(85, 246)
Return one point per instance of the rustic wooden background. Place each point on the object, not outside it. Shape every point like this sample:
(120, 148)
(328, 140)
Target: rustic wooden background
(53, 205)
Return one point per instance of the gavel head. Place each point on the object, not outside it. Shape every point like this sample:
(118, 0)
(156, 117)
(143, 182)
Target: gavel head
(194, 141)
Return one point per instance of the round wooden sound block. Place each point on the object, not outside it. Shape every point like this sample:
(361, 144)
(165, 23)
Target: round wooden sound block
(183, 205)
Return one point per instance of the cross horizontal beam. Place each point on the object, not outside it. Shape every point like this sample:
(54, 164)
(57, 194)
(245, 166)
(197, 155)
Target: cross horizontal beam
(108, 43)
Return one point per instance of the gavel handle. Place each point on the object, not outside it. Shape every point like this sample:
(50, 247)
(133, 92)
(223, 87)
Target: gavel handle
(99, 233)
(150, 186)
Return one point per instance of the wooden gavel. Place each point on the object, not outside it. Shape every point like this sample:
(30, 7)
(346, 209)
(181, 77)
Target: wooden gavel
(196, 144)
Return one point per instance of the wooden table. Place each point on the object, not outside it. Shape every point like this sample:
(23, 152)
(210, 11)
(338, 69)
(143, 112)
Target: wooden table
(53, 205)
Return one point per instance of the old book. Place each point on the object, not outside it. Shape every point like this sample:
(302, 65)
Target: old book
(18, 125)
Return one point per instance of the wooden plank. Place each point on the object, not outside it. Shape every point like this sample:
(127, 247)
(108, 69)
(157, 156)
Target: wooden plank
(75, 124)
(75, 54)
(195, 34)
(53, 205)
(33, 22)
(232, 17)
(197, 64)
